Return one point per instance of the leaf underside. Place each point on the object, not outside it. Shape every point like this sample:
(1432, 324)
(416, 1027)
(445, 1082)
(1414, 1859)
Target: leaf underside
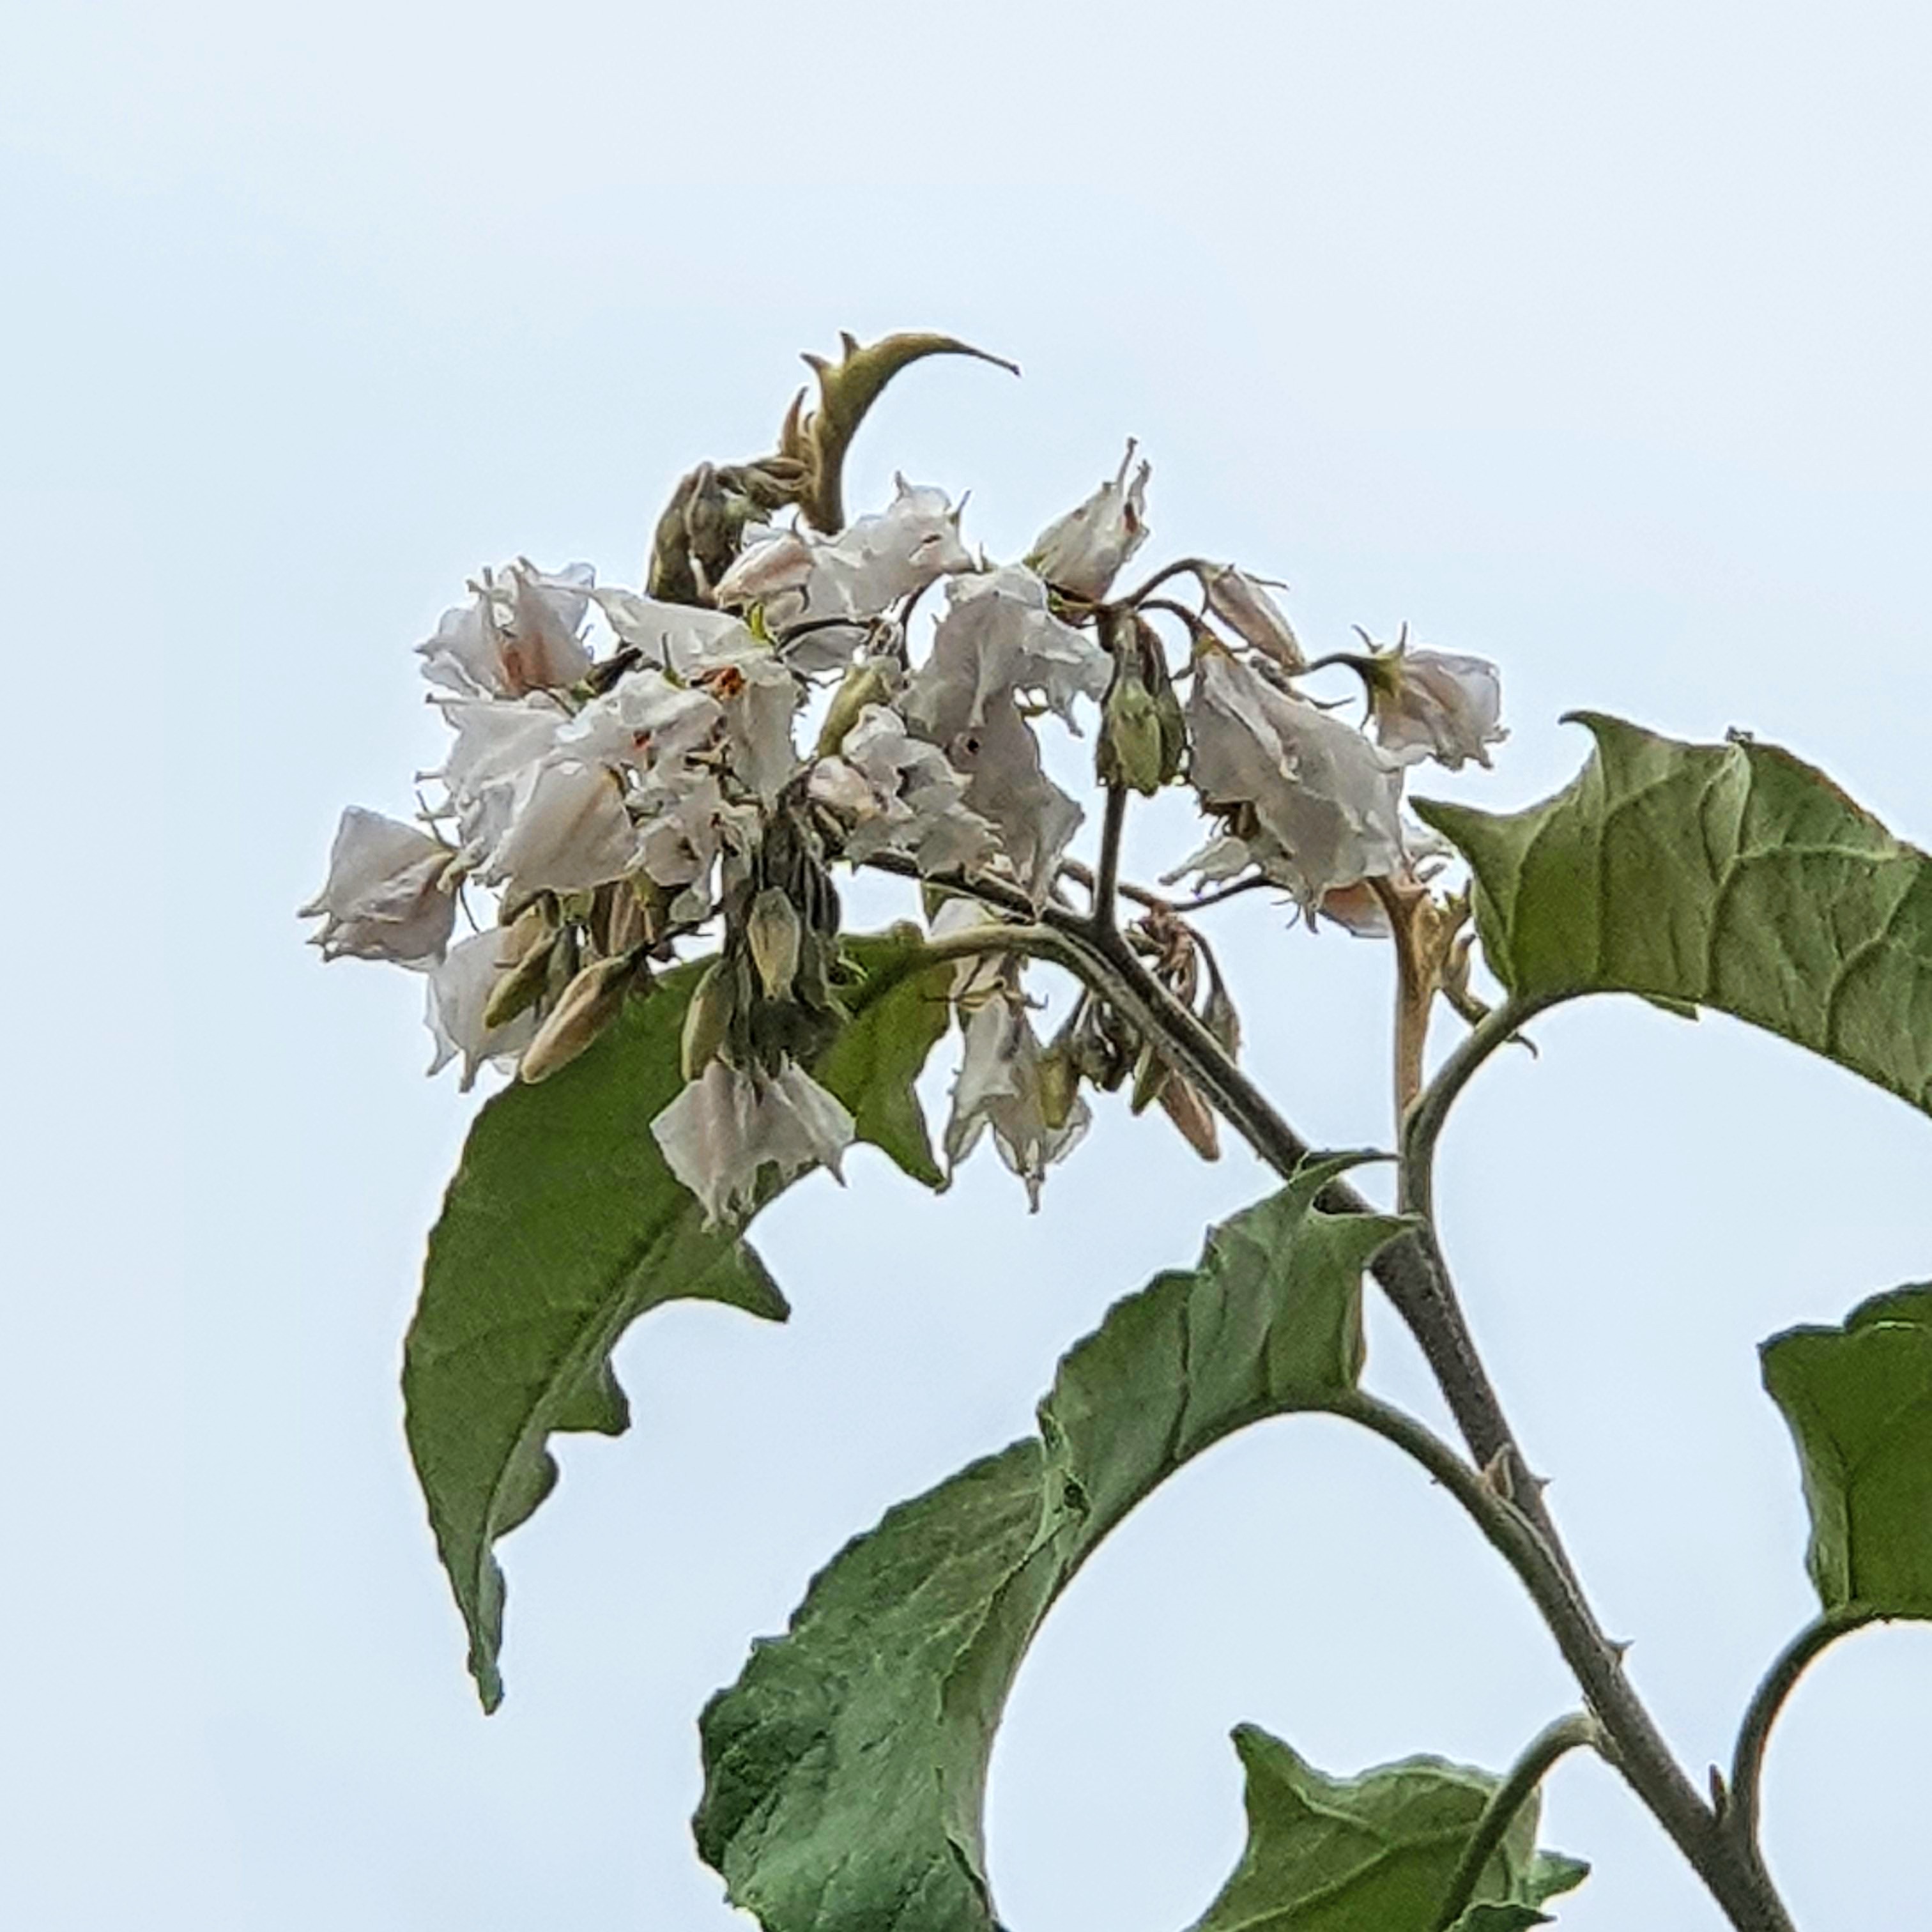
(1731, 876)
(1858, 1400)
(562, 1226)
(845, 1771)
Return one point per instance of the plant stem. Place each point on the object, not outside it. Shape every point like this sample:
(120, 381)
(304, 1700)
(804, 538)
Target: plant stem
(1410, 1270)
(1552, 1742)
(1629, 1739)
(1741, 1812)
(1107, 879)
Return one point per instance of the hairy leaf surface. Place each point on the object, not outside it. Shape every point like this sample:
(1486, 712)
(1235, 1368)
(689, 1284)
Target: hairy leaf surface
(562, 1226)
(845, 1771)
(1858, 1399)
(1380, 1851)
(1731, 876)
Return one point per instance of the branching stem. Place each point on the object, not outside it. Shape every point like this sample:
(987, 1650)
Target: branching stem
(1566, 1734)
(1497, 1489)
(1740, 1813)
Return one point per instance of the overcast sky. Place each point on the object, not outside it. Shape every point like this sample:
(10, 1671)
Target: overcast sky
(1590, 339)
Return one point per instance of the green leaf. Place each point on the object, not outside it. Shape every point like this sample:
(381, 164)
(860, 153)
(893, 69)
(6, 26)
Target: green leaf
(1731, 876)
(1375, 1853)
(1858, 1399)
(845, 1770)
(562, 1226)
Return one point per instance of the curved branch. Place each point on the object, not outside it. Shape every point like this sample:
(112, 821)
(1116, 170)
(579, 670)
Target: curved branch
(1422, 1125)
(1551, 1743)
(1410, 1270)
(1740, 1811)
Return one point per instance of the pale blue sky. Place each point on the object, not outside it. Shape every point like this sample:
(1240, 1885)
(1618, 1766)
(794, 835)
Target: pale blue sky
(1592, 339)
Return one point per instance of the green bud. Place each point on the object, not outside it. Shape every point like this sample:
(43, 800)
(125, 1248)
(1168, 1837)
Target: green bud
(773, 932)
(707, 1020)
(1129, 750)
(865, 683)
(523, 985)
(1059, 1083)
(589, 1004)
(1151, 1075)
(1220, 1018)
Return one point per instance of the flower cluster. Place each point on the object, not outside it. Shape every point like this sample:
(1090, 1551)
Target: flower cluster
(631, 771)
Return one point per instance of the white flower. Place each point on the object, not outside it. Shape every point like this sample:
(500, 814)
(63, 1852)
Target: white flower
(729, 1124)
(1035, 819)
(900, 794)
(1000, 1085)
(1437, 704)
(1324, 799)
(838, 587)
(643, 719)
(567, 831)
(459, 992)
(1240, 603)
(879, 560)
(771, 570)
(997, 638)
(682, 638)
(518, 633)
(1082, 553)
(385, 896)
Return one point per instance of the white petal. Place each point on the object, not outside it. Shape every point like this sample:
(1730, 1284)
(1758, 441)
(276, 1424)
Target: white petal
(385, 897)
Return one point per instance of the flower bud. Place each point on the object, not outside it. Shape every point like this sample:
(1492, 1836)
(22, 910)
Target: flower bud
(1181, 1102)
(589, 1004)
(1128, 751)
(523, 985)
(1240, 603)
(773, 933)
(1059, 1083)
(865, 683)
(1151, 1076)
(707, 1020)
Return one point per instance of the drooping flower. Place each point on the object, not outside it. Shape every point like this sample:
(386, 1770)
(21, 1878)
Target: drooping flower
(386, 896)
(1323, 801)
(1436, 704)
(897, 793)
(1003, 1085)
(1081, 553)
(519, 632)
(567, 831)
(458, 999)
(998, 637)
(1244, 606)
(831, 590)
(731, 1123)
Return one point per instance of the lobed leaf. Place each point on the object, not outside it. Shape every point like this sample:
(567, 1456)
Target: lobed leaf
(562, 1226)
(1379, 1851)
(1858, 1400)
(845, 1771)
(1731, 876)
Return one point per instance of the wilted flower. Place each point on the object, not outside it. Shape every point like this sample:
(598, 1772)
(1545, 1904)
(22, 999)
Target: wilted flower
(1435, 702)
(386, 897)
(731, 1123)
(1240, 603)
(1004, 1084)
(1082, 553)
(519, 632)
(459, 998)
(1323, 800)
